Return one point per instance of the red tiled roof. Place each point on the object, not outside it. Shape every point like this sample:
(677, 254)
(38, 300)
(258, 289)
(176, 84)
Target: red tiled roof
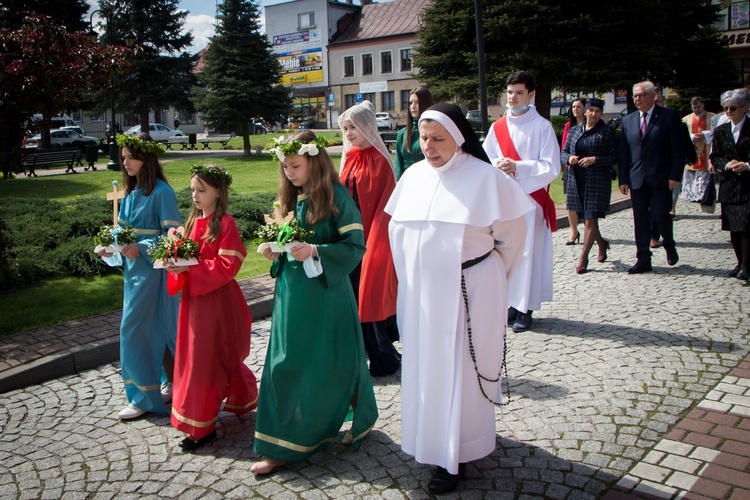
(382, 20)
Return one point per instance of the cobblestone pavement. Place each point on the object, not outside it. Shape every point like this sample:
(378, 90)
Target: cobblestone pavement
(605, 393)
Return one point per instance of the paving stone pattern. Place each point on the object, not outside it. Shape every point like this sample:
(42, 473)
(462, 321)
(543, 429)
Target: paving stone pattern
(628, 386)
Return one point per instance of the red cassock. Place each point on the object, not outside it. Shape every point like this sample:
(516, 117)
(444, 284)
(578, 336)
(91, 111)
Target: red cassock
(370, 180)
(213, 335)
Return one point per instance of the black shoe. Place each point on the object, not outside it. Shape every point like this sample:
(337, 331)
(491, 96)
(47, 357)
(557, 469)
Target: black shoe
(575, 240)
(672, 257)
(523, 322)
(743, 275)
(734, 272)
(443, 481)
(512, 315)
(190, 445)
(641, 266)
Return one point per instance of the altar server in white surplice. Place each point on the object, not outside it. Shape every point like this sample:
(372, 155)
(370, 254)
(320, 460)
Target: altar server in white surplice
(457, 233)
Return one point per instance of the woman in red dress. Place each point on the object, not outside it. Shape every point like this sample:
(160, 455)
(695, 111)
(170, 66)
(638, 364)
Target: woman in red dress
(367, 172)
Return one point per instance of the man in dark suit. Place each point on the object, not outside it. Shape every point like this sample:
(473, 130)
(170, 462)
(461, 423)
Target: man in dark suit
(652, 157)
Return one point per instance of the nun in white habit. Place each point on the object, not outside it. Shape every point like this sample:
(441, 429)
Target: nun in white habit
(457, 233)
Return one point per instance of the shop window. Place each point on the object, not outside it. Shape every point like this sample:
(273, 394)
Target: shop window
(388, 100)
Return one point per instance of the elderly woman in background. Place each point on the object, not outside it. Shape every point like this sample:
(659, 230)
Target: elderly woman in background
(457, 232)
(589, 152)
(576, 116)
(729, 156)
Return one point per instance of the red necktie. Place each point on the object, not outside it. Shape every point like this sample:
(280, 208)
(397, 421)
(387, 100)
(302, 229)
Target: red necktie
(643, 125)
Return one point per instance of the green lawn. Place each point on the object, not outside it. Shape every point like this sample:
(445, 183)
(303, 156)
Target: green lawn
(58, 300)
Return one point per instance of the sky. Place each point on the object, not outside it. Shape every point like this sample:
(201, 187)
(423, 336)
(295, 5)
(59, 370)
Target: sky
(201, 18)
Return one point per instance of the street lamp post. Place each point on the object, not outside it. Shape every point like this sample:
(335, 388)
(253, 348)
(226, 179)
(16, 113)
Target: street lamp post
(114, 160)
(482, 74)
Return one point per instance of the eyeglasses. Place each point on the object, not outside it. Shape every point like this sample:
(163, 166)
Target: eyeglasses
(638, 96)
(731, 109)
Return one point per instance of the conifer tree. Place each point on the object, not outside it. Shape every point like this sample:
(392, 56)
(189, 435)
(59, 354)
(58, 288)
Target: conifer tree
(572, 44)
(162, 71)
(240, 80)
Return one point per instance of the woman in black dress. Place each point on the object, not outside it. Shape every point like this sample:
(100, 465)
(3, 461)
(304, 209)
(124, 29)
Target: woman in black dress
(729, 156)
(590, 151)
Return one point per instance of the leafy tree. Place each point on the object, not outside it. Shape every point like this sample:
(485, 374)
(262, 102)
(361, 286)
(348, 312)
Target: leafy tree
(68, 13)
(574, 44)
(45, 69)
(162, 72)
(240, 79)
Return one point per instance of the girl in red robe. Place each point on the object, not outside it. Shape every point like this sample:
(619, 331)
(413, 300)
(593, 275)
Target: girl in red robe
(367, 172)
(213, 335)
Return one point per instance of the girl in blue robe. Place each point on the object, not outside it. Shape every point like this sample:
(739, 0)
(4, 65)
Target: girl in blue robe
(148, 330)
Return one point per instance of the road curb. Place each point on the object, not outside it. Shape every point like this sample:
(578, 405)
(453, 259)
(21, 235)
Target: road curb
(89, 355)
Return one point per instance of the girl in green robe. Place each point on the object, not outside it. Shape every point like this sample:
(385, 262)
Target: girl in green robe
(315, 375)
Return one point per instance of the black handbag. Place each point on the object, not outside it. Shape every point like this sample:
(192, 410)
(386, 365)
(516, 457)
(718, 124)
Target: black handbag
(709, 197)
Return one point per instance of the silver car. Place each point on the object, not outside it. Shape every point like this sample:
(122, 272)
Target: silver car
(62, 138)
(157, 131)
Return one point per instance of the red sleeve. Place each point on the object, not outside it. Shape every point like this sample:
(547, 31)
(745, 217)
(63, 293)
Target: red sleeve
(175, 282)
(375, 183)
(220, 260)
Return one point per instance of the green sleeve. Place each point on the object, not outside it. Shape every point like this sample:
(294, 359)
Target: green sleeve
(400, 146)
(341, 255)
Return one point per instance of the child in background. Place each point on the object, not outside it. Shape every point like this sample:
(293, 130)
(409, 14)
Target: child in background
(149, 315)
(214, 321)
(315, 367)
(367, 172)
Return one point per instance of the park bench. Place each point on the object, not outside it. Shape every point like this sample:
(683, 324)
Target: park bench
(223, 139)
(389, 138)
(180, 139)
(45, 157)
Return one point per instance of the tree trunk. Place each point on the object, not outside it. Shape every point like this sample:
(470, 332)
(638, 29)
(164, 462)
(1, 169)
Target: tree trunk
(543, 99)
(247, 148)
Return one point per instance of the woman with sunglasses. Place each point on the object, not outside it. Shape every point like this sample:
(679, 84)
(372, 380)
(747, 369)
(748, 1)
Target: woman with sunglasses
(730, 156)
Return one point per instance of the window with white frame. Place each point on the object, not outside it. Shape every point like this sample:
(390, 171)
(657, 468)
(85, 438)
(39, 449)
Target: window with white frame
(348, 66)
(367, 64)
(98, 118)
(77, 115)
(306, 20)
(388, 100)
(405, 60)
(386, 62)
(405, 99)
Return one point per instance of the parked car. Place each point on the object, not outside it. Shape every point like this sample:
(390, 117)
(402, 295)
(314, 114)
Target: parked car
(616, 120)
(62, 138)
(386, 121)
(474, 117)
(157, 131)
(74, 129)
(260, 128)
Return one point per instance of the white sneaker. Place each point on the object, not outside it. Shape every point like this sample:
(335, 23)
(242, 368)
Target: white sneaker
(130, 412)
(166, 392)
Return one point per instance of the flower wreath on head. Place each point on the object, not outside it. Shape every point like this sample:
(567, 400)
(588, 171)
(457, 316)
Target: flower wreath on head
(217, 173)
(134, 142)
(284, 149)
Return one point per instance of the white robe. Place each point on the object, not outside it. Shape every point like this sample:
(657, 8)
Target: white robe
(441, 217)
(536, 143)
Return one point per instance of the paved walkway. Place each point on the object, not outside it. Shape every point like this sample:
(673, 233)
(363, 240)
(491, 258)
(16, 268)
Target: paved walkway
(628, 386)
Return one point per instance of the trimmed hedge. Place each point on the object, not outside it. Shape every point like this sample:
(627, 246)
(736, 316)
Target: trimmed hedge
(41, 239)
